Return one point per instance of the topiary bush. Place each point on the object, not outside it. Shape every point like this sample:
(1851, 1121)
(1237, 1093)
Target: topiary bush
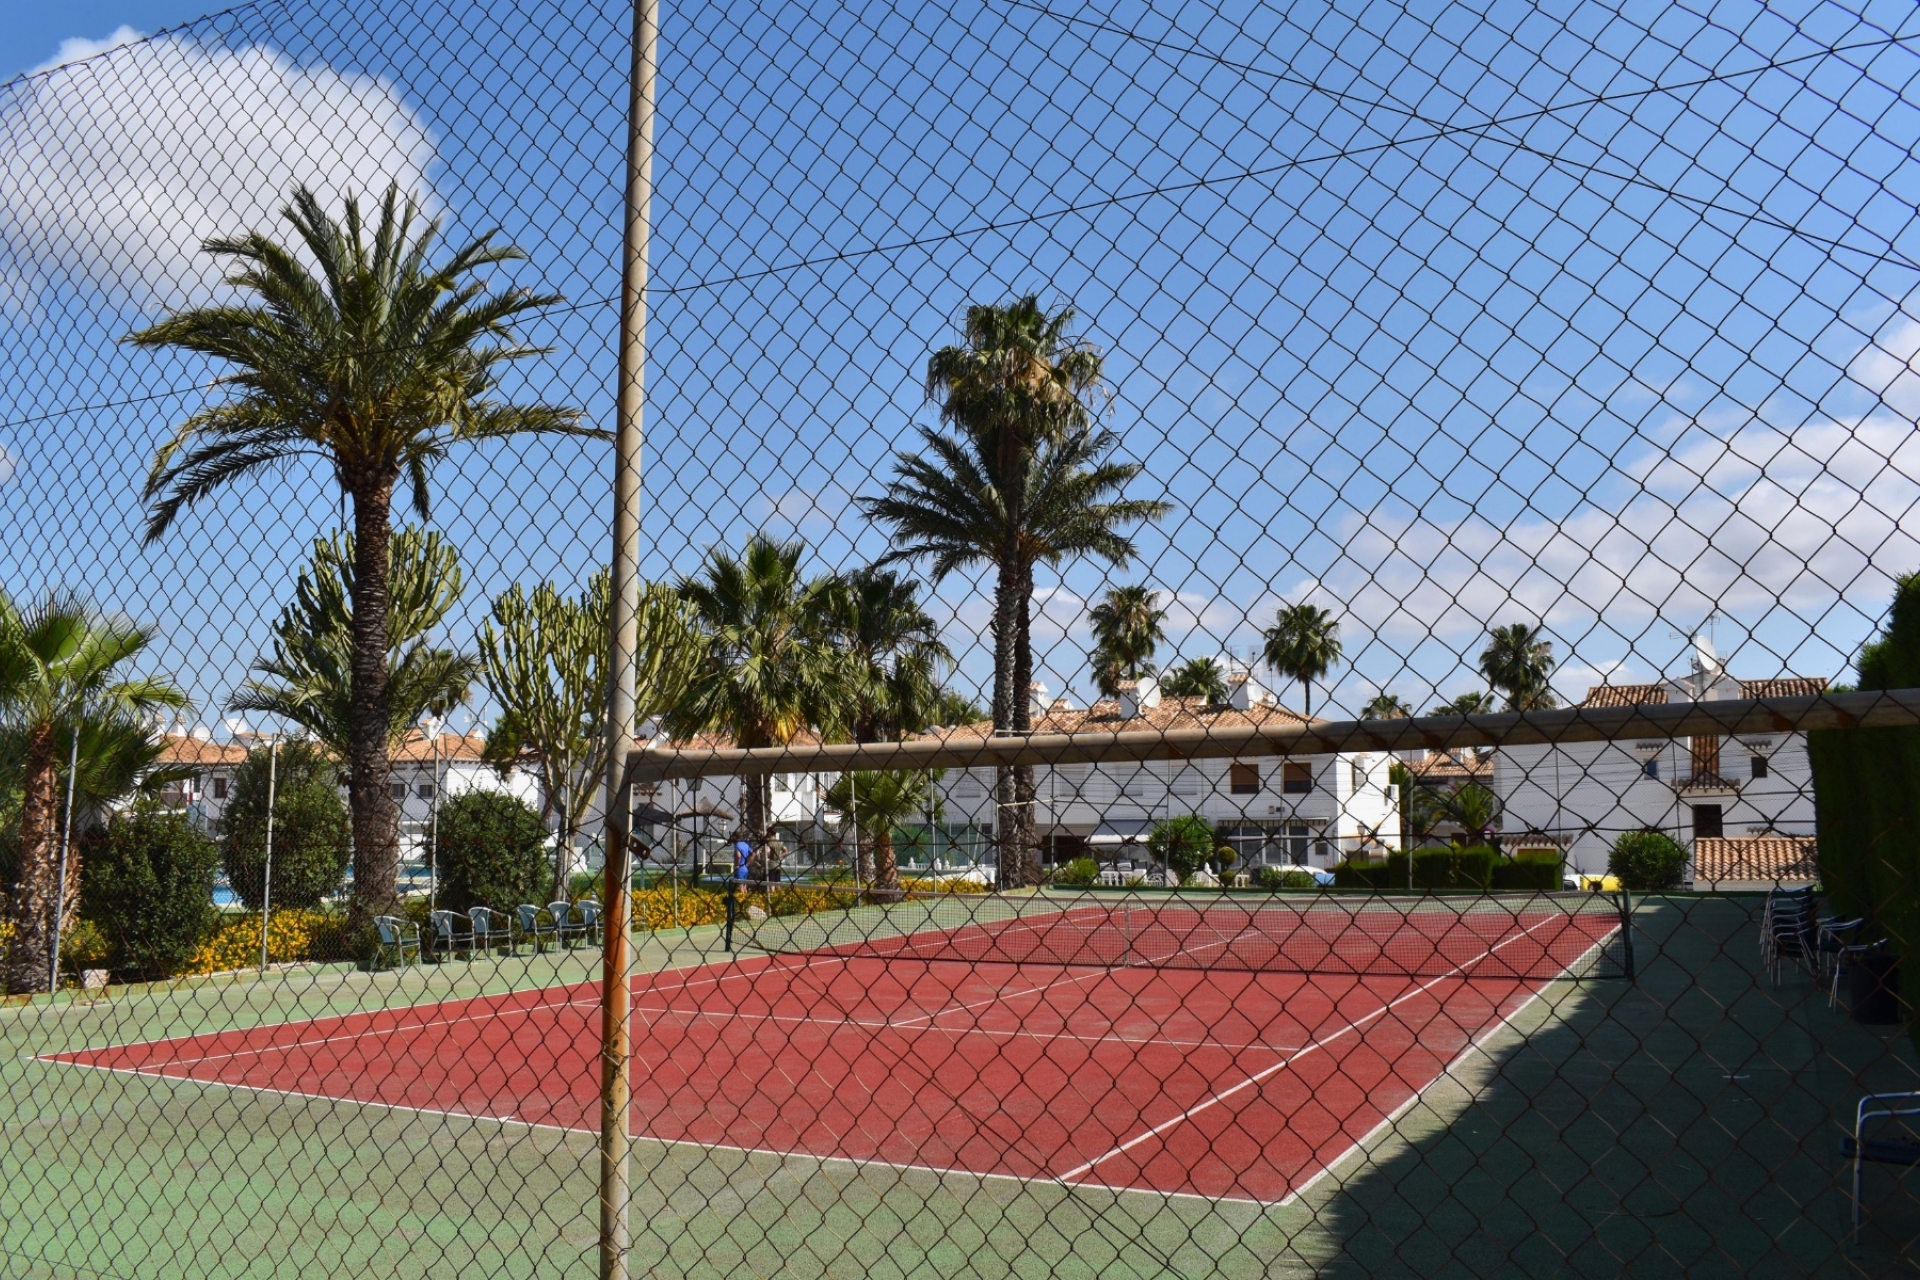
(149, 888)
(1539, 870)
(1272, 879)
(1365, 875)
(1298, 879)
(491, 851)
(312, 835)
(1647, 861)
(1077, 874)
(1181, 844)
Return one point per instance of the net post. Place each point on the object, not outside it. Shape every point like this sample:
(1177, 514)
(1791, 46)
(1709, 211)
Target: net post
(1626, 935)
(616, 1091)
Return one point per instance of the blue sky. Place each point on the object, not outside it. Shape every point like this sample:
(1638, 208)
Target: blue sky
(1638, 353)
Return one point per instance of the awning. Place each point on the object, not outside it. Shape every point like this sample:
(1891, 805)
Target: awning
(1122, 831)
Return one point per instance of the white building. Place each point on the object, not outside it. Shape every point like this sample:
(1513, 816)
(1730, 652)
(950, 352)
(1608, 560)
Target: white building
(1309, 810)
(706, 812)
(424, 770)
(1742, 805)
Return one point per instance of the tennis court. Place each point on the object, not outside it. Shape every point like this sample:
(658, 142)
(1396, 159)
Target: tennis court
(1219, 1052)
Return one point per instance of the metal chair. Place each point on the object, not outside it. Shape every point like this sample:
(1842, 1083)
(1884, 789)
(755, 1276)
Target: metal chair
(1843, 960)
(1859, 1149)
(591, 922)
(490, 929)
(528, 917)
(565, 927)
(451, 932)
(396, 938)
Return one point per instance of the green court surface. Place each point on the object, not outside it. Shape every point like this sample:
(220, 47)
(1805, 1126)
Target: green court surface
(1683, 1124)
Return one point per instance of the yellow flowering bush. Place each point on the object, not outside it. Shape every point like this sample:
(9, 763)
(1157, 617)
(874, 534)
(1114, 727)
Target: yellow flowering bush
(292, 936)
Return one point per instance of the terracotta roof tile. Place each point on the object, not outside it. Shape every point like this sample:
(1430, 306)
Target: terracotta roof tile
(1625, 695)
(1763, 858)
(1784, 687)
(198, 753)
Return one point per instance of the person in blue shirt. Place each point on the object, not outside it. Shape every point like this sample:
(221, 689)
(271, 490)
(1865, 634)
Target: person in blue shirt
(737, 886)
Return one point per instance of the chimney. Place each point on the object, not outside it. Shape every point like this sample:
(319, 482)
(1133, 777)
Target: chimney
(1037, 700)
(1244, 692)
(1138, 696)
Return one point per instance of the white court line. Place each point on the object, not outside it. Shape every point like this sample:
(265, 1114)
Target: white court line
(1012, 1034)
(542, 1126)
(1263, 1074)
(1473, 1045)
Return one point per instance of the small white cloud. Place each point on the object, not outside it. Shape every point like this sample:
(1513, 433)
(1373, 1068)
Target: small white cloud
(79, 48)
(113, 170)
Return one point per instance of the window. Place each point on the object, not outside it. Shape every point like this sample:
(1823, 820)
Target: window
(1186, 781)
(1707, 822)
(424, 791)
(1244, 779)
(399, 791)
(1757, 766)
(219, 786)
(1651, 769)
(1359, 774)
(1296, 779)
(967, 787)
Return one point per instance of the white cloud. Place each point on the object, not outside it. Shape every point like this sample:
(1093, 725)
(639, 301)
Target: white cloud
(113, 170)
(1745, 522)
(79, 48)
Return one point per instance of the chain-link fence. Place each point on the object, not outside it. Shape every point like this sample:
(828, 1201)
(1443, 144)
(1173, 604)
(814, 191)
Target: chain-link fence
(1261, 641)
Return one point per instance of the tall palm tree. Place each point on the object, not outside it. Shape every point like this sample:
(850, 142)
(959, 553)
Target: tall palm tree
(1386, 706)
(953, 504)
(1303, 643)
(768, 668)
(309, 675)
(1126, 630)
(898, 657)
(1518, 661)
(544, 659)
(1197, 678)
(378, 362)
(62, 672)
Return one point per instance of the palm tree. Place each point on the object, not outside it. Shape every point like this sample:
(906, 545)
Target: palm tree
(1126, 629)
(881, 801)
(309, 675)
(1519, 662)
(898, 657)
(62, 673)
(767, 667)
(954, 504)
(1197, 678)
(544, 659)
(1303, 643)
(1478, 702)
(378, 362)
(1473, 808)
(1386, 706)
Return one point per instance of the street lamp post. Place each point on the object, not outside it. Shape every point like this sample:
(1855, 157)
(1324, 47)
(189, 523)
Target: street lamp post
(430, 729)
(239, 729)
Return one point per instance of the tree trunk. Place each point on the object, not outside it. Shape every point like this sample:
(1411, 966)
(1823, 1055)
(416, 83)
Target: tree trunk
(33, 893)
(1025, 789)
(886, 869)
(1006, 631)
(376, 820)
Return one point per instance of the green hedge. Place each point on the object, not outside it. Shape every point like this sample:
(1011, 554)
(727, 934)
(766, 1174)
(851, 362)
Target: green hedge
(1539, 870)
(1647, 861)
(1363, 875)
(1077, 874)
(1455, 867)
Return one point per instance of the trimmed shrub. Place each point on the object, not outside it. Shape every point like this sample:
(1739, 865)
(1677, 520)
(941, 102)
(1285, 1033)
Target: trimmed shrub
(1363, 875)
(312, 835)
(293, 936)
(1454, 867)
(490, 850)
(1181, 844)
(149, 887)
(1269, 878)
(1530, 869)
(1077, 874)
(1298, 879)
(1647, 861)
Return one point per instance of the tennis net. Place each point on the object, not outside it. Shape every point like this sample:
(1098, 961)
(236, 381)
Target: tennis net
(1533, 936)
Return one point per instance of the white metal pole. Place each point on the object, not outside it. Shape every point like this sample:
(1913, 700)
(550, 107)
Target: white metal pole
(433, 830)
(266, 884)
(66, 841)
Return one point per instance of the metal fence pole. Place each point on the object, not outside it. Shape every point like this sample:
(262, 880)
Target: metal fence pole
(266, 882)
(616, 1048)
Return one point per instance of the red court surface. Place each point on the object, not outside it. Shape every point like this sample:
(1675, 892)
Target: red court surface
(1233, 1085)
